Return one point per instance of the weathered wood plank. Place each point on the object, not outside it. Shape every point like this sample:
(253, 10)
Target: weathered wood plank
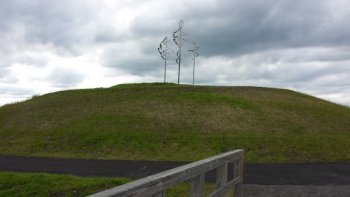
(160, 194)
(238, 173)
(197, 186)
(221, 178)
(239, 186)
(220, 192)
(159, 182)
(238, 190)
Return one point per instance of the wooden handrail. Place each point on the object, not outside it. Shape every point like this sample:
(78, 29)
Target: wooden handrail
(155, 185)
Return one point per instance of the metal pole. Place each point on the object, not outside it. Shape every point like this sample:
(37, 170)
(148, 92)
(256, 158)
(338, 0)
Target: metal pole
(164, 70)
(194, 64)
(179, 39)
(195, 54)
(178, 77)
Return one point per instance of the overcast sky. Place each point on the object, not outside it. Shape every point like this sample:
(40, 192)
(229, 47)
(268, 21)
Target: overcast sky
(48, 46)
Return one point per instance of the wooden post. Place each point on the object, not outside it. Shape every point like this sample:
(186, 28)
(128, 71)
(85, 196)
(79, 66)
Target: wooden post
(221, 178)
(240, 184)
(238, 173)
(197, 186)
(160, 194)
(156, 185)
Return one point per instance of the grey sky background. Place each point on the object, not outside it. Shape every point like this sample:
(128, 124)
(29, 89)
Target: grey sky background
(48, 46)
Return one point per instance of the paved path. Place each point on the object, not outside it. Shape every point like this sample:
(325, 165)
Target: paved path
(254, 173)
(296, 190)
(260, 179)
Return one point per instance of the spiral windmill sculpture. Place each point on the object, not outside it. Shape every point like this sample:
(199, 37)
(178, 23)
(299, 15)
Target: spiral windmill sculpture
(179, 39)
(165, 51)
(195, 54)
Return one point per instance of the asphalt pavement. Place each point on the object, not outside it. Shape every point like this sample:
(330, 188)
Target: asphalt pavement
(260, 179)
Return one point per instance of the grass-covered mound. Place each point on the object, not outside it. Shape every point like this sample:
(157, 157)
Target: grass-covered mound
(53, 185)
(177, 122)
(40, 184)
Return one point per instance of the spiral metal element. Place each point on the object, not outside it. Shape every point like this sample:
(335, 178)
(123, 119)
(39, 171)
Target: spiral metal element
(195, 50)
(165, 50)
(179, 39)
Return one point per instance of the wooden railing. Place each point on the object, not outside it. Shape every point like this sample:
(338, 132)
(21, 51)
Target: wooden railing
(156, 185)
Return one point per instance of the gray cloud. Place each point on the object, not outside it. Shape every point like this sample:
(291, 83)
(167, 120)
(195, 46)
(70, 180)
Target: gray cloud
(64, 78)
(15, 91)
(243, 27)
(303, 45)
(6, 57)
(63, 24)
(33, 60)
(131, 60)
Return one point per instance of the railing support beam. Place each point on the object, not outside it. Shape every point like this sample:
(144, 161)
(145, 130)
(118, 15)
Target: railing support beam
(197, 186)
(221, 178)
(238, 173)
(156, 185)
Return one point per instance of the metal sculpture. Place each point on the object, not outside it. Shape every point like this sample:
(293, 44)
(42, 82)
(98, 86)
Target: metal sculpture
(195, 54)
(165, 51)
(179, 39)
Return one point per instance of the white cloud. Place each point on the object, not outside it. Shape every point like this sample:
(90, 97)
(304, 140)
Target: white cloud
(51, 46)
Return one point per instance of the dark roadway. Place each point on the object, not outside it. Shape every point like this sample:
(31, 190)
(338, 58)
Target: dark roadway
(254, 173)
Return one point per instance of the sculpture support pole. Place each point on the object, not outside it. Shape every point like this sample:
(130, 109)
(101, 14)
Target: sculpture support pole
(194, 64)
(178, 77)
(195, 54)
(164, 70)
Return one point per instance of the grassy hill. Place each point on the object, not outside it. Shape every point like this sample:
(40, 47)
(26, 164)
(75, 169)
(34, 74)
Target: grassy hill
(177, 122)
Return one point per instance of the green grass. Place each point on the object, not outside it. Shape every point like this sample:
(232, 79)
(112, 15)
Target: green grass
(183, 189)
(156, 121)
(52, 185)
(40, 184)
